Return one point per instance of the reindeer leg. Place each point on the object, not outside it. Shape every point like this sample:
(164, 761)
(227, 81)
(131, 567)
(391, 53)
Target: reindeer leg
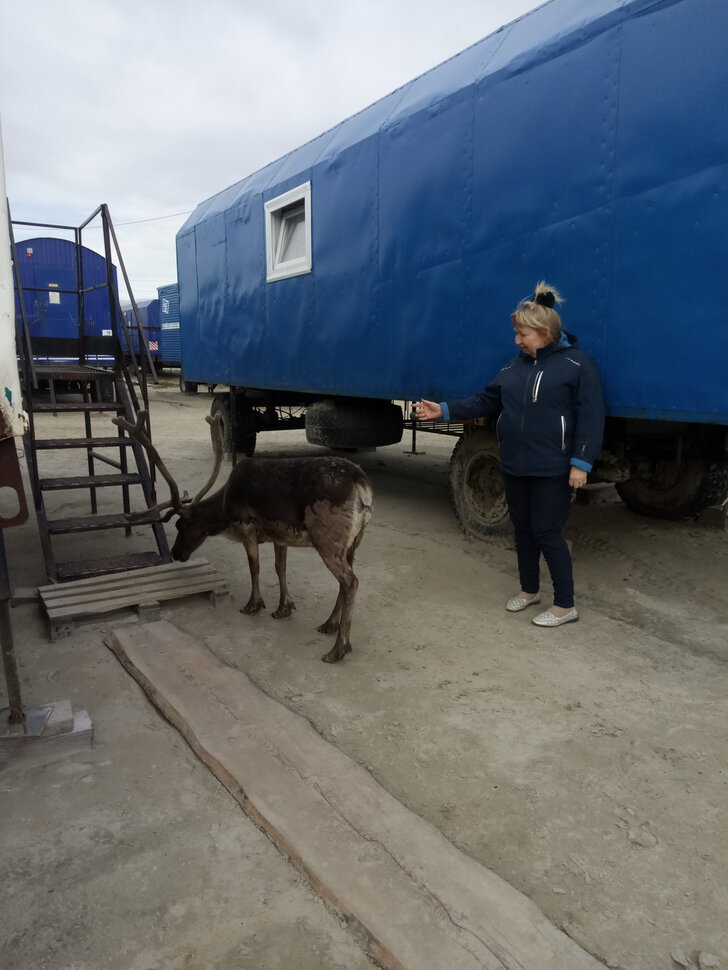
(255, 603)
(348, 584)
(285, 603)
(332, 624)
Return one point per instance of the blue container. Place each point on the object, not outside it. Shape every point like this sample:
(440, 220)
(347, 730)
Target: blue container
(169, 330)
(584, 144)
(149, 317)
(47, 267)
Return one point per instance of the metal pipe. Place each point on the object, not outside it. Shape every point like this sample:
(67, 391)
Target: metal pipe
(15, 701)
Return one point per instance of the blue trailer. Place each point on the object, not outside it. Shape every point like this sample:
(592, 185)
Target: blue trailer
(586, 144)
(149, 320)
(50, 277)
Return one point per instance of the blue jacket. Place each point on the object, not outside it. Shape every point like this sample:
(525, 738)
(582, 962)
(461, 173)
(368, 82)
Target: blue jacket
(550, 410)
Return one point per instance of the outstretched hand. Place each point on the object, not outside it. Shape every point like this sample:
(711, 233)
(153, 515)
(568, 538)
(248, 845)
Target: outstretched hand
(426, 411)
(577, 477)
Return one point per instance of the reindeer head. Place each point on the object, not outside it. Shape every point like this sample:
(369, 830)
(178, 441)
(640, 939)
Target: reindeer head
(192, 529)
(195, 523)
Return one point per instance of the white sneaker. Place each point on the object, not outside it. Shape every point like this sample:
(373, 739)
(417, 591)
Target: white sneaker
(517, 603)
(550, 619)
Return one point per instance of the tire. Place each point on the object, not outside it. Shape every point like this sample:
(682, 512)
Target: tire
(221, 406)
(353, 424)
(245, 433)
(103, 390)
(187, 387)
(476, 486)
(672, 492)
(245, 428)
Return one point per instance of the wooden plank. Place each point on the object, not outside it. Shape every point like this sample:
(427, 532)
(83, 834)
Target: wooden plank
(107, 603)
(415, 901)
(105, 594)
(115, 579)
(83, 591)
(129, 583)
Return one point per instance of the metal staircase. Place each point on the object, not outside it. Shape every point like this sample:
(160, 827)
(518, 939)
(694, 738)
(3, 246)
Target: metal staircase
(80, 383)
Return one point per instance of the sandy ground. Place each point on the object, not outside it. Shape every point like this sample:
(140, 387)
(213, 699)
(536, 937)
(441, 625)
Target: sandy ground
(585, 765)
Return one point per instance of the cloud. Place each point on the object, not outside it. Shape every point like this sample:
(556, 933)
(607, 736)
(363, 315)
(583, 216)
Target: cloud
(154, 105)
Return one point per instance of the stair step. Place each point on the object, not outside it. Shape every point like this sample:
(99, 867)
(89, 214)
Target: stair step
(89, 568)
(80, 406)
(47, 444)
(88, 481)
(95, 523)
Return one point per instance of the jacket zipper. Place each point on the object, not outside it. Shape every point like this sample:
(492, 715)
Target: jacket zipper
(563, 433)
(523, 413)
(536, 386)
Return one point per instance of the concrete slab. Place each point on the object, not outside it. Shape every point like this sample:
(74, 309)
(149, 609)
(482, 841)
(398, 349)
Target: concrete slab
(50, 730)
(415, 901)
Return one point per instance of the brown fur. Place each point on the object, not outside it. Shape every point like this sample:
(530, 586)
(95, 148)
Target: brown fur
(322, 502)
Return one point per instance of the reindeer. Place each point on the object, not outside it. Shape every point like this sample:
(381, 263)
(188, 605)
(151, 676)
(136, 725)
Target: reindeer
(324, 502)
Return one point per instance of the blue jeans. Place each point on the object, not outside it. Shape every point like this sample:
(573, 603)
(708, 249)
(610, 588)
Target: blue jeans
(539, 508)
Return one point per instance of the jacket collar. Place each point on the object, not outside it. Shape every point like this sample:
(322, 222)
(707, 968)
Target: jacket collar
(567, 342)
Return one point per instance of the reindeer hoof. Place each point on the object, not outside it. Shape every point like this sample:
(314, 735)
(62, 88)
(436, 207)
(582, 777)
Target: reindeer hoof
(284, 610)
(252, 607)
(337, 653)
(328, 627)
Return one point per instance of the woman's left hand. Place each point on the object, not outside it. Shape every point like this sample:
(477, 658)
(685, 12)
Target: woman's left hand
(577, 477)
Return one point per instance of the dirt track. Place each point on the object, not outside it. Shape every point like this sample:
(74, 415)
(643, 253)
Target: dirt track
(586, 765)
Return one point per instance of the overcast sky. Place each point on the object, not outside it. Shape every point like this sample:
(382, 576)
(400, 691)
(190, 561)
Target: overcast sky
(152, 106)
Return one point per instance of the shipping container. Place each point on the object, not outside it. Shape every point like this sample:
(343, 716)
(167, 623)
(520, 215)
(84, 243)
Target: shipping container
(149, 319)
(169, 338)
(51, 278)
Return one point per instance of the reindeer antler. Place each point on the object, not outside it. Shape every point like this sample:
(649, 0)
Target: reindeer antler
(137, 431)
(174, 503)
(218, 443)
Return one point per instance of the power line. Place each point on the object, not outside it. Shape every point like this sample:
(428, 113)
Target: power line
(137, 222)
(174, 215)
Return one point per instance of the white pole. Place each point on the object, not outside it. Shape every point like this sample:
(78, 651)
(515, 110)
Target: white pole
(13, 420)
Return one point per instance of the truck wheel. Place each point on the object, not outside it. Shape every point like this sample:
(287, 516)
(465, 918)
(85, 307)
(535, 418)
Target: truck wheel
(672, 492)
(221, 406)
(103, 390)
(245, 428)
(245, 425)
(353, 424)
(187, 387)
(476, 486)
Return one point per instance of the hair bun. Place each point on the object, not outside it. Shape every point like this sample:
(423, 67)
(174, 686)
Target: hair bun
(545, 298)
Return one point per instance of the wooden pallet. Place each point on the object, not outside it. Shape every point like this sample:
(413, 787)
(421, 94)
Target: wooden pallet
(142, 589)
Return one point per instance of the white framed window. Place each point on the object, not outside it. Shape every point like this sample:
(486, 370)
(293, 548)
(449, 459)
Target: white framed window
(288, 234)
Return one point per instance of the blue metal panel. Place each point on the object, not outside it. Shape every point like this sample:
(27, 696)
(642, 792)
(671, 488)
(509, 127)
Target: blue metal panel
(170, 353)
(346, 275)
(46, 264)
(671, 213)
(149, 319)
(190, 343)
(584, 143)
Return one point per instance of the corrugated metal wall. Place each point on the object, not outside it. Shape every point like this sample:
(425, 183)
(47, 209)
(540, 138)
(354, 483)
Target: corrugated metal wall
(169, 342)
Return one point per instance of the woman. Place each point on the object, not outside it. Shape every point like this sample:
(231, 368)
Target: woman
(550, 412)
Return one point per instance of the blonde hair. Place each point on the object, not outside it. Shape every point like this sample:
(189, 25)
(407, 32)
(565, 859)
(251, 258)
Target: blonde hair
(537, 311)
